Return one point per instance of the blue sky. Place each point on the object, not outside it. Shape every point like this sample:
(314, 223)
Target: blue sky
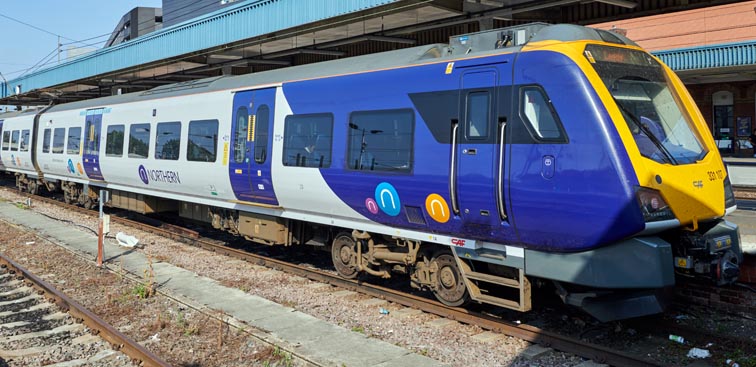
(22, 46)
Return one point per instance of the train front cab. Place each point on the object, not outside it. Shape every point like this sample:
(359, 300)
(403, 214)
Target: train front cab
(642, 188)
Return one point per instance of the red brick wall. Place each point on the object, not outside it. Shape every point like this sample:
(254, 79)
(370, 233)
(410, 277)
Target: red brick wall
(699, 27)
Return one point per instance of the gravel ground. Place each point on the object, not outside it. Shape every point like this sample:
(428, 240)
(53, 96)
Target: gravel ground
(453, 344)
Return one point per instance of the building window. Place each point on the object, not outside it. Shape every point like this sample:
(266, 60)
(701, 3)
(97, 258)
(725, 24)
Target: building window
(261, 133)
(307, 140)
(203, 141)
(14, 141)
(24, 143)
(46, 141)
(59, 140)
(167, 140)
(242, 130)
(381, 140)
(139, 141)
(74, 140)
(114, 141)
(539, 115)
(6, 140)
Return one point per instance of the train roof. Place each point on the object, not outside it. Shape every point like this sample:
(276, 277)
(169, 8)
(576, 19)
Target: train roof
(10, 114)
(503, 40)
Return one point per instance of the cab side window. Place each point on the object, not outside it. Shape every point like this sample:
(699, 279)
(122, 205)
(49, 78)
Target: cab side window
(539, 115)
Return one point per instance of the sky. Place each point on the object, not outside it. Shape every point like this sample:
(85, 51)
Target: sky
(22, 46)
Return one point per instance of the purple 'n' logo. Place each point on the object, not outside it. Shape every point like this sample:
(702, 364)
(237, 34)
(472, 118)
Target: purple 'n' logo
(143, 175)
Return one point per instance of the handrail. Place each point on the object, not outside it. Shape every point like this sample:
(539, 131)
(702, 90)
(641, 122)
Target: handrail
(500, 176)
(453, 169)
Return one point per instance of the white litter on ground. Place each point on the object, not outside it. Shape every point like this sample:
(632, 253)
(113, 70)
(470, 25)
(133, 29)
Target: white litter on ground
(126, 240)
(698, 353)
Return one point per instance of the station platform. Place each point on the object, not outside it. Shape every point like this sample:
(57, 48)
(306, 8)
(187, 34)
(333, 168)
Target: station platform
(308, 337)
(742, 171)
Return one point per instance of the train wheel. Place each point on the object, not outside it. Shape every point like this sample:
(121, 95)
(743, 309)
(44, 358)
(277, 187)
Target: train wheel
(450, 289)
(342, 253)
(32, 187)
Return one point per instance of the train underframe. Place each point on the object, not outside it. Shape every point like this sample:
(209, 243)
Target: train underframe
(628, 279)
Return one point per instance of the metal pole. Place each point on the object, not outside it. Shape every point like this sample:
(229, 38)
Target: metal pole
(99, 231)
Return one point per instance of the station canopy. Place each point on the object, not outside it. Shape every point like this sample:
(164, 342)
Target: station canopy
(259, 35)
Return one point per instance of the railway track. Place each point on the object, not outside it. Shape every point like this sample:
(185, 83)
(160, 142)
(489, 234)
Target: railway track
(523, 331)
(39, 324)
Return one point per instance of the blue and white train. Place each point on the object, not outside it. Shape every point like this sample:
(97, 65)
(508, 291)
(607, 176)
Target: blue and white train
(557, 153)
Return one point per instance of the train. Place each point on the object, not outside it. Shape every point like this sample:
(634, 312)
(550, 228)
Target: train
(555, 156)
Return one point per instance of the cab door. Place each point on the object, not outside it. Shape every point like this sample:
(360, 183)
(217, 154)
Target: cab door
(91, 154)
(250, 163)
(479, 154)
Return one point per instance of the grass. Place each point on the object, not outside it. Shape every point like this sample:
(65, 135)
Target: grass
(358, 329)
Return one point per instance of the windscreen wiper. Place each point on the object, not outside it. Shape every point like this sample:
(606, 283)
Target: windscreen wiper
(648, 132)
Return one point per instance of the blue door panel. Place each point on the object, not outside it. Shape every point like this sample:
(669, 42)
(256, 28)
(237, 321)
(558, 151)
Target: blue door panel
(91, 154)
(250, 162)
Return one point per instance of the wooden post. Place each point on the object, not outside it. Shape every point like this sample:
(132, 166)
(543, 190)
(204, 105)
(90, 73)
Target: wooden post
(99, 239)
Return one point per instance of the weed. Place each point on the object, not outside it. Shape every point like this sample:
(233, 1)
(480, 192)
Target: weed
(146, 288)
(359, 329)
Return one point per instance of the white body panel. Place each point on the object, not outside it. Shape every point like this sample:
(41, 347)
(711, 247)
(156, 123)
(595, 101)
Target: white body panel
(14, 159)
(55, 164)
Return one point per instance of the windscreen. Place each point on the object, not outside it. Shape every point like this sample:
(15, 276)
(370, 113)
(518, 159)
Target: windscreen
(662, 129)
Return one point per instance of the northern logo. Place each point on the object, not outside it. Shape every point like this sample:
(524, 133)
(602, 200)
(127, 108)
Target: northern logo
(143, 175)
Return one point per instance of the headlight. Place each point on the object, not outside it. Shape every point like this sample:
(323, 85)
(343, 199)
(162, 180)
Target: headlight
(652, 205)
(729, 195)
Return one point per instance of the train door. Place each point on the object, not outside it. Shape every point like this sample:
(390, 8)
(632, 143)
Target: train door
(479, 154)
(91, 153)
(249, 166)
(2, 167)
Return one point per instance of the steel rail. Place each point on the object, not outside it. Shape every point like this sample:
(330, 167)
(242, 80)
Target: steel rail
(526, 332)
(119, 341)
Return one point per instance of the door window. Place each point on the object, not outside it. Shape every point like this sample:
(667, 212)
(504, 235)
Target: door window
(261, 134)
(240, 139)
(478, 115)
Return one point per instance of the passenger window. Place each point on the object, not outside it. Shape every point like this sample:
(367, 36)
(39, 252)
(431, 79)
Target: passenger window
(46, 141)
(74, 140)
(139, 141)
(240, 140)
(24, 143)
(167, 140)
(307, 140)
(261, 133)
(203, 141)
(478, 115)
(539, 115)
(6, 140)
(114, 141)
(381, 140)
(14, 141)
(59, 139)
